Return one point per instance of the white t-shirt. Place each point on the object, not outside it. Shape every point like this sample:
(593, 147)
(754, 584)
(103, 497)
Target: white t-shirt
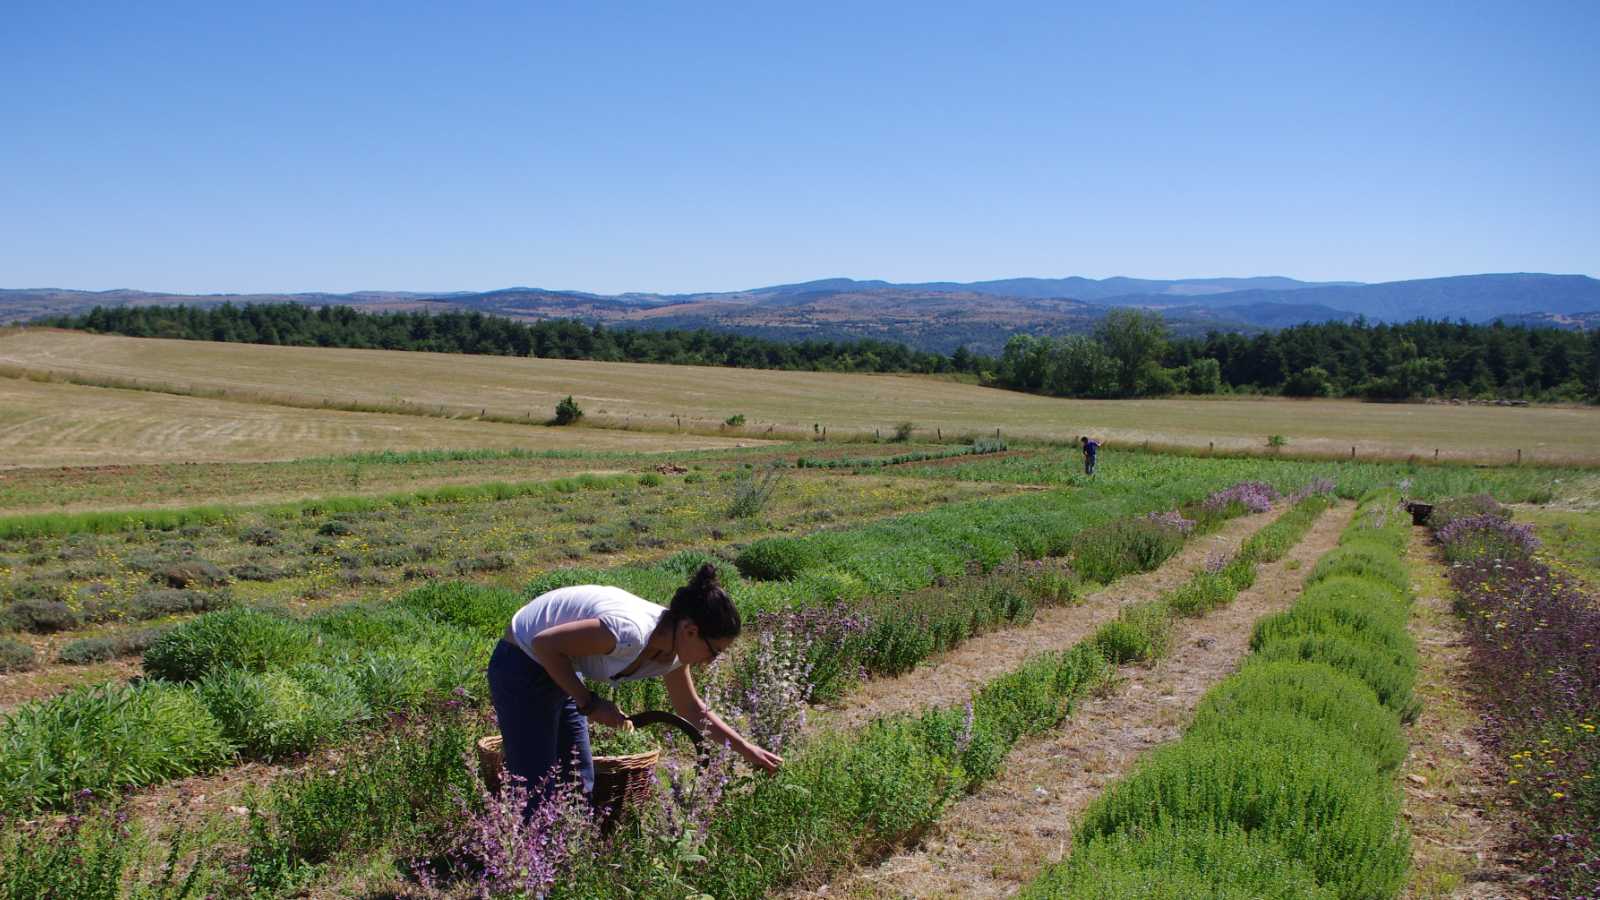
(630, 620)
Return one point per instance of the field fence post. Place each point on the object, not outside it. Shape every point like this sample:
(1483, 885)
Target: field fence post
(1519, 456)
(1352, 451)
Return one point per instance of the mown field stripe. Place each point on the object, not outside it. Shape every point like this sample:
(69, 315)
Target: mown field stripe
(112, 521)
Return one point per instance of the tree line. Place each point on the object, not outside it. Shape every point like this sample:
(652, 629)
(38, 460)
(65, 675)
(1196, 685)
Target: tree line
(297, 325)
(1129, 354)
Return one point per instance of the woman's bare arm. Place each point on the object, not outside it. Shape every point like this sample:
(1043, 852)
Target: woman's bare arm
(554, 649)
(686, 701)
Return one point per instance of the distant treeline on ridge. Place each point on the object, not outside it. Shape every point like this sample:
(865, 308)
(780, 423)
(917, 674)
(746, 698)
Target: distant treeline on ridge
(1129, 354)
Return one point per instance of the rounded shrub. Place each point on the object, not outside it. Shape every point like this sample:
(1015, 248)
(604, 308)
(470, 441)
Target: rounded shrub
(474, 607)
(42, 616)
(1363, 559)
(1339, 702)
(777, 559)
(15, 656)
(1360, 610)
(270, 715)
(242, 638)
(1388, 673)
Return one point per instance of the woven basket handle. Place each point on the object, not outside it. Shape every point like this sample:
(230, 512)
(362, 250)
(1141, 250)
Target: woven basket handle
(659, 717)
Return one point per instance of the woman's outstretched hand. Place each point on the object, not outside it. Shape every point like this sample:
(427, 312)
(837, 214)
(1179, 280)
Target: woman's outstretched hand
(606, 713)
(764, 759)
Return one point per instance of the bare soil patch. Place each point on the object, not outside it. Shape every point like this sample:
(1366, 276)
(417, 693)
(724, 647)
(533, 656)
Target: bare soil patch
(1460, 832)
(992, 843)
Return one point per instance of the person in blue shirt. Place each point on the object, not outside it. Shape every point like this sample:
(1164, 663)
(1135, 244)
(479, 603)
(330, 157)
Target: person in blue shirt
(1091, 449)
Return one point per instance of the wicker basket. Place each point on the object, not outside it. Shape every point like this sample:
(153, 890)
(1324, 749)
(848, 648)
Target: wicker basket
(619, 781)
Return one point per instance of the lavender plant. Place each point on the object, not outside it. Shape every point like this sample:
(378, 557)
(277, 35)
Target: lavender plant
(1486, 536)
(1255, 496)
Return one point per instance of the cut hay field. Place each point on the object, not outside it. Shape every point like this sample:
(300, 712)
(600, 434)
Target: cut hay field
(45, 424)
(656, 396)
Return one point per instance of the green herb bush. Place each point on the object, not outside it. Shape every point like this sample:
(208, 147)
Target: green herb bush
(244, 638)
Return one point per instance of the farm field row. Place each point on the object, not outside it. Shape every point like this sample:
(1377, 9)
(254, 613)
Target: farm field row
(662, 397)
(68, 489)
(88, 597)
(49, 424)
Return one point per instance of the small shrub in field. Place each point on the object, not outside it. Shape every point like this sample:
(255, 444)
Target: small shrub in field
(398, 789)
(1255, 496)
(99, 649)
(241, 638)
(1360, 610)
(902, 432)
(650, 479)
(15, 656)
(1201, 594)
(171, 601)
(1453, 508)
(483, 562)
(734, 421)
(1171, 864)
(42, 616)
(1240, 573)
(1139, 633)
(751, 491)
(255, 572)
(105, 738)
(193, 572)
(475, 608)
(1486, 536)
(83, 857)
(568, 411)
(261, 536)
(1051, 587)
(1123, 547)
(777, 559)
(271, 715)
(335, 528)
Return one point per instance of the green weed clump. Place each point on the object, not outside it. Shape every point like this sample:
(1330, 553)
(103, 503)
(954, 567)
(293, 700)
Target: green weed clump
(84, 651)
(1204, 592)
(777, 559)
(400, 789)
(105, 738)
(15, 656)
(1140, 633)
(270, 715)
(1123, 547)
(472, 607)
(244, 638)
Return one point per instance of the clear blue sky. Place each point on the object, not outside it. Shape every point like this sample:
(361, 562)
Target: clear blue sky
(675, 147)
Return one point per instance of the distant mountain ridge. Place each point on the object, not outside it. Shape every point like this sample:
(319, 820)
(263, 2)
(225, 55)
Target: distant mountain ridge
(944, 315)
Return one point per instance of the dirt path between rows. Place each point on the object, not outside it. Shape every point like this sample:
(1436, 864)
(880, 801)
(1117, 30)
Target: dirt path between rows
(951, 677)
(1460, 834)
(995, 841)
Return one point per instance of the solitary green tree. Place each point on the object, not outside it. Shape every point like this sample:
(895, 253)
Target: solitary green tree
(1133, 337)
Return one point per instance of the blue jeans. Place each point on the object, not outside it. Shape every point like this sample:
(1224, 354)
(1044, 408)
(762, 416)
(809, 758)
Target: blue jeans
(543, 732)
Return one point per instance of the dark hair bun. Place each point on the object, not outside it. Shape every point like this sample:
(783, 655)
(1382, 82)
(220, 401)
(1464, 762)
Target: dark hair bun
(704, 602)
(705, 577)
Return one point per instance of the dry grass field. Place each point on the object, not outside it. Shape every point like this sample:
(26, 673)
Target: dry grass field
(71, 425)
(653, 396)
